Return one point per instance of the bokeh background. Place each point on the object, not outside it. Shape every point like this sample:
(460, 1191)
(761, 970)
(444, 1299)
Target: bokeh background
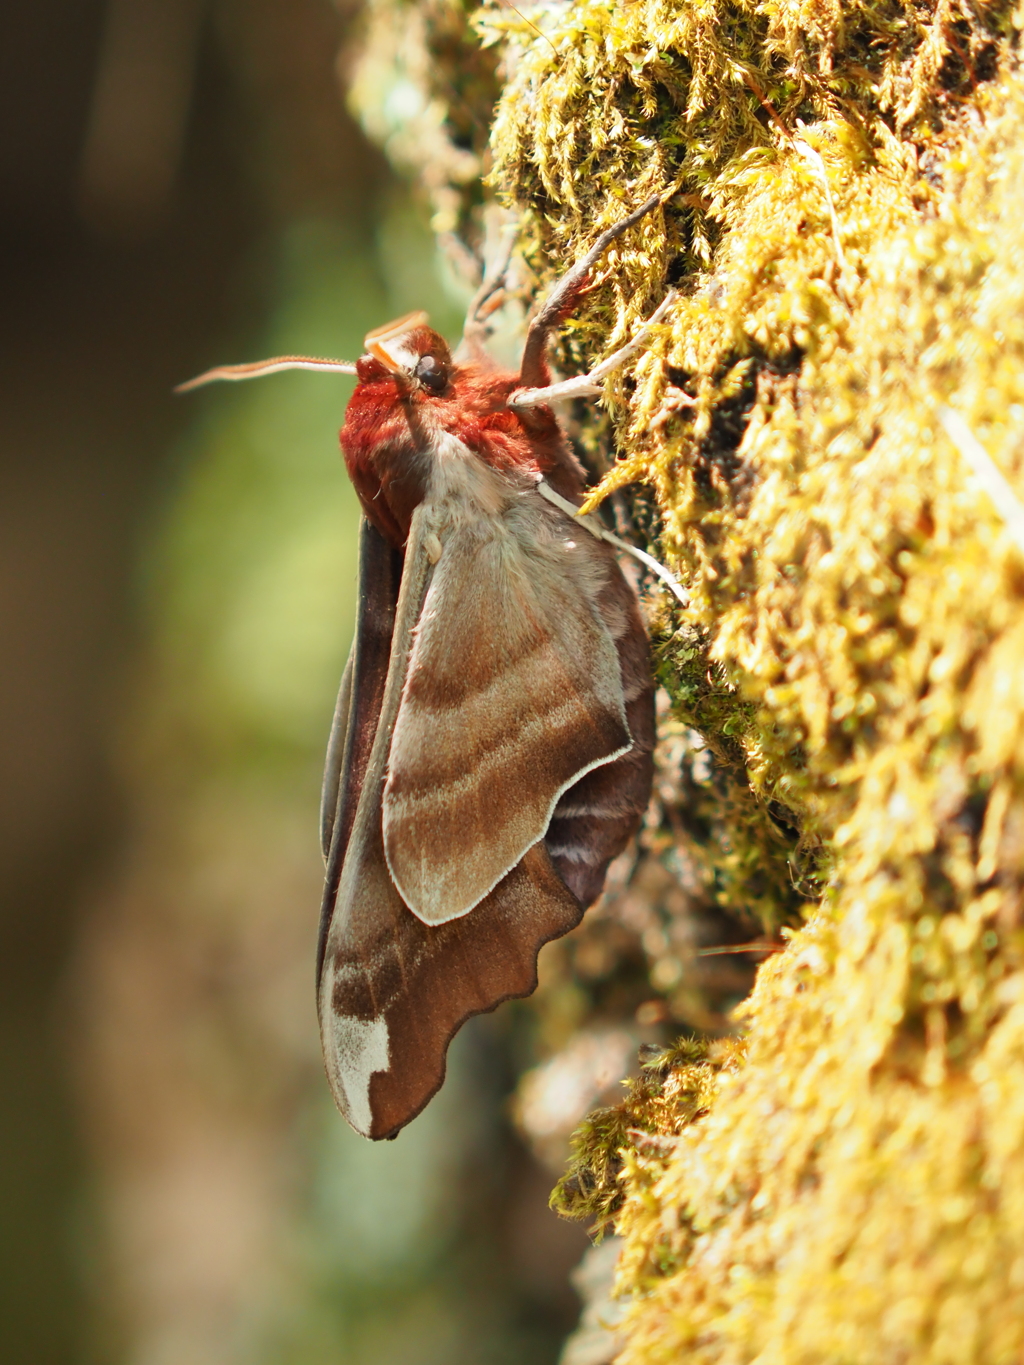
(181, 184)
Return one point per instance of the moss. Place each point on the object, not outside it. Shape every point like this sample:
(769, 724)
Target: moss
(759, 862)
(846, 240)
(424, 89)
(845, 236)
(673, 1089)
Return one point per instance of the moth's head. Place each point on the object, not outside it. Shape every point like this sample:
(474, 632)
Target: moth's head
(417, 357)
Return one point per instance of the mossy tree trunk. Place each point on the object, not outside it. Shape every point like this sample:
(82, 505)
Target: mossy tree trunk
(843, 1178)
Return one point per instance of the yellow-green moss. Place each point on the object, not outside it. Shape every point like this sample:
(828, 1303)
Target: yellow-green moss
(851, 1187)
(673, 1090)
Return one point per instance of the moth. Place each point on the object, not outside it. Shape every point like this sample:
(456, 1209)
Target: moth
(491, 749)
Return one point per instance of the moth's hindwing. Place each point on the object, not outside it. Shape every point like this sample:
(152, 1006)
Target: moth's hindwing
(514, 692)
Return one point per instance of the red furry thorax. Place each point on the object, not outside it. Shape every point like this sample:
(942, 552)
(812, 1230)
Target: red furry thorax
(387, 453)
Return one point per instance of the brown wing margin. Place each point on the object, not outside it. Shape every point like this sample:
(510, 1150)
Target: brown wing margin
(393, 991)
(357, 709)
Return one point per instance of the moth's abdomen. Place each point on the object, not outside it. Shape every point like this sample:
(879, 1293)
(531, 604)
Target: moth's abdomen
(595, 819)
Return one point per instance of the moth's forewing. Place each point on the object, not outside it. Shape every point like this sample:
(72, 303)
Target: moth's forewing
(358, 708)
(393, 991)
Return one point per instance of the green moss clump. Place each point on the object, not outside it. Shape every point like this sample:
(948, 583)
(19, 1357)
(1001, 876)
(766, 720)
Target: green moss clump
(756, 862)
(674, 1088)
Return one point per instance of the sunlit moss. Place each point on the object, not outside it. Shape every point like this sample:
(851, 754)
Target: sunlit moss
(846, 240)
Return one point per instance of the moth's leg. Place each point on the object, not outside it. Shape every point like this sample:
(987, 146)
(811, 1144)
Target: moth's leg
(589, 385)
(533, 372)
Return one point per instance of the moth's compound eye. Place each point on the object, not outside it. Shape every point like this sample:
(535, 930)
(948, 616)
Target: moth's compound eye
(432, 373)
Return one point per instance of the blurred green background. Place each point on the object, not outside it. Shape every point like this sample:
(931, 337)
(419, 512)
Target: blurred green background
(181, 185)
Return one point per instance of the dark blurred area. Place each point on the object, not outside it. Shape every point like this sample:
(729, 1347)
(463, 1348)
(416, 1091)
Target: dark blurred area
(94, 323)
(158, 161)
